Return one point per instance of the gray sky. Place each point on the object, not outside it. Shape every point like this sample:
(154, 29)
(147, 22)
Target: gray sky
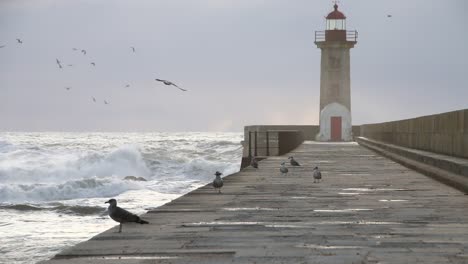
(244, 61)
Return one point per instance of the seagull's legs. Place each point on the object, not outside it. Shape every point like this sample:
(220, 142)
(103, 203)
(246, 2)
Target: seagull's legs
(120, 228)
(219, 190)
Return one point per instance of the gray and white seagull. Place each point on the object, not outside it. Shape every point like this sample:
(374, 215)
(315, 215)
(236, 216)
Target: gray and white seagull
(58, 63)
(293, 161)
(317, 174)
(283, 169)
(254, 163)
(166, 82)
(121, 215)
(218, 182)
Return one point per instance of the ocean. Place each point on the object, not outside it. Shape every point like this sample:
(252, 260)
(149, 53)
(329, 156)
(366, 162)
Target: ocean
(53, 185)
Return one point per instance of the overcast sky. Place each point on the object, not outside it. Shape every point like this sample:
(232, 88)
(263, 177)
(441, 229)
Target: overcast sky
(244, 62)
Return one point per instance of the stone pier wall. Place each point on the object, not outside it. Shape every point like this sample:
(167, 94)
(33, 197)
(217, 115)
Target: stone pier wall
(445, 133)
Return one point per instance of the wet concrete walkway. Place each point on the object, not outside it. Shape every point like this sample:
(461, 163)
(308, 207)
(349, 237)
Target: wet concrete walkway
(368, 209)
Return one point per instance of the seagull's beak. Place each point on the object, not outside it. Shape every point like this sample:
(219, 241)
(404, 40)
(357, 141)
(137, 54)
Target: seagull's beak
(107, 202)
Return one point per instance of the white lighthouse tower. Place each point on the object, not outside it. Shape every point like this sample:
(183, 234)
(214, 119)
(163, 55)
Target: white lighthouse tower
(335, 93)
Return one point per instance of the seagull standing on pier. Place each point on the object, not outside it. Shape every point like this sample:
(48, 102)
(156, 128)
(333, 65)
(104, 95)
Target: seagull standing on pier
(283, 169)
(166, 82)
(121, 215)
(317, 174)
(218, 182)
(254, 163)
(293, 161)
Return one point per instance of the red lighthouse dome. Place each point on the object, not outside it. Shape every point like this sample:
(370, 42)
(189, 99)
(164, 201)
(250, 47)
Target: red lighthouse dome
(336, 20)
(336, 14)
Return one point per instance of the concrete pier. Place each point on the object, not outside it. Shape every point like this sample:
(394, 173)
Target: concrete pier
(368, 209)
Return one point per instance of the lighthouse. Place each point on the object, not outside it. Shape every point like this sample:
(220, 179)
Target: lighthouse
(335, 88)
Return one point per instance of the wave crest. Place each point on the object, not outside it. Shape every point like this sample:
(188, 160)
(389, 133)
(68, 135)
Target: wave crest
(84, 188)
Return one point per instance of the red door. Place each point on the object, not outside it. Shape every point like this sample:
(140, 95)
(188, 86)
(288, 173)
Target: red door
(335, 123)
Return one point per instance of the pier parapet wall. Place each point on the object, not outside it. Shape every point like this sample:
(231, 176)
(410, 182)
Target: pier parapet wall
(273, 140)
(445, 133)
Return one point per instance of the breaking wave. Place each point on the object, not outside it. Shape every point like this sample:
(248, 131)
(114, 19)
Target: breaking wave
(66, 209)
(61, 166)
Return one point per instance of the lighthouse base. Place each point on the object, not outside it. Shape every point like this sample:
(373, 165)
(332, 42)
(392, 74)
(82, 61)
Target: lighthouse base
(335, 123)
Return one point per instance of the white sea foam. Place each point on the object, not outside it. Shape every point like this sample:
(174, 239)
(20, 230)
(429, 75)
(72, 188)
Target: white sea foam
(51, 182)
(60, 166)
(90, 187)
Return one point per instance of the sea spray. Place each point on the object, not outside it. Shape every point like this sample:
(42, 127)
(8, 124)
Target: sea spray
(53, 185)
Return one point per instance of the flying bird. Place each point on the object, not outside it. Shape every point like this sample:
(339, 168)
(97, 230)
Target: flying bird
(166, 82)
(75, 49)
(283, 169)
(389, 15)
(58, 63)
(254, 163)
(94, 99)
(218, 182)
(128, 85)
(133, 48)
(121, 215)
(92, 63)
(70, 65)
(83, 51)
(67, 88)
(105, 102)
(2, 46)
(293, 161)
(19, 41)
(317, 174)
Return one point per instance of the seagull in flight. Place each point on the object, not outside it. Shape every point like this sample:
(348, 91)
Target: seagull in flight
(58, 63)
(92, 63)
(389, 15)
(94, 99)
(70, 65)
(166, 82)
(67, 88)
(75, 49)
(105, 102)
(128, 85)
(2, 46)
(133, 48)
(83, 51)
(19, 41)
